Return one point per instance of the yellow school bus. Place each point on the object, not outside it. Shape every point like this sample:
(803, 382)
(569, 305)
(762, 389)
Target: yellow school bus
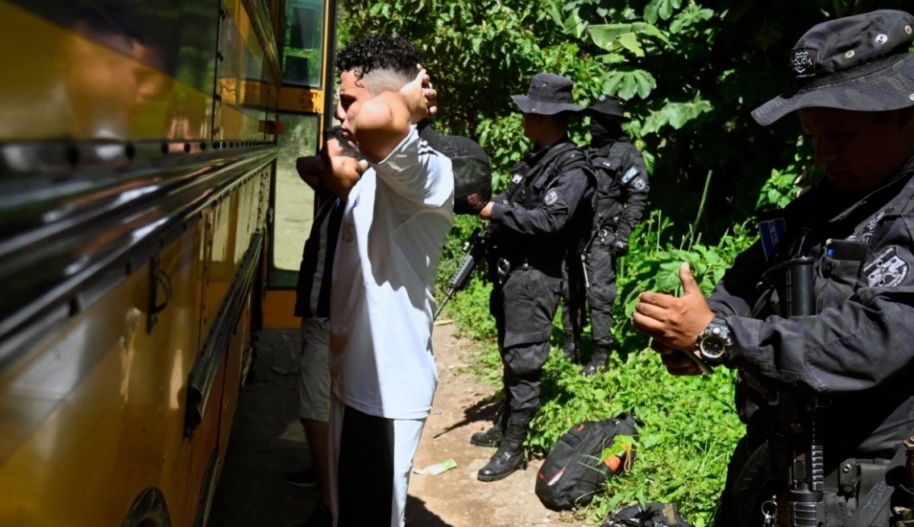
(143, 145)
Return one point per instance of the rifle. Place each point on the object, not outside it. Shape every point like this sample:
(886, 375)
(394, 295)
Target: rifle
(793, 280)
(475, 247)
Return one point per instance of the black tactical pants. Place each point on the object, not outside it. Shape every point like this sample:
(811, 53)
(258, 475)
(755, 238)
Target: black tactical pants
(524, 308)
(601, 275)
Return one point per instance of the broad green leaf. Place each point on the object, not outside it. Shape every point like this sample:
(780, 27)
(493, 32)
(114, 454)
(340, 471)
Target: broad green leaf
(646, 83)
(627, 82)
(651, 10)
(630, 42)
(607, 35)
(690, 16)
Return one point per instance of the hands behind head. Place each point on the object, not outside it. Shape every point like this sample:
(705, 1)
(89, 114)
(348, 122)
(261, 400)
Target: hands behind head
(420, 97)
(340, 170)
(675, 323)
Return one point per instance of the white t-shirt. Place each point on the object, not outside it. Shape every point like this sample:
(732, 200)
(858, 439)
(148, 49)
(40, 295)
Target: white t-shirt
(381, 303)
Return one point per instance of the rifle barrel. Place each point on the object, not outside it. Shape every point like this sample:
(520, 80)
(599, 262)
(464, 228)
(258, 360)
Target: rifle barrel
(447, 298)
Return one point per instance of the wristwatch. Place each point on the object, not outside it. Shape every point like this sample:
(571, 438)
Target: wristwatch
(715, 342)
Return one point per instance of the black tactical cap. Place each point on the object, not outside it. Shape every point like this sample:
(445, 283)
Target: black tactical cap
(548, 94)
(608, 106)
(859, 63)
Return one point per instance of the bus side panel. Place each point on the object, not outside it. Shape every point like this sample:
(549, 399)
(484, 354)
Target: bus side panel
(204, 445)
(78, 77)
(231, 389)
(101, 406)
(248, 204)
(228, 240)
(219, 269)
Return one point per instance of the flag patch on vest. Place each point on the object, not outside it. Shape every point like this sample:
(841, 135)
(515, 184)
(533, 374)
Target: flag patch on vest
(886, 269)
(771, 231)
(629, 174)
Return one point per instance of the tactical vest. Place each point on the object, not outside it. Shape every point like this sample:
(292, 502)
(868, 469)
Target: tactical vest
(607, 204)
(531, 180)
(772, 413)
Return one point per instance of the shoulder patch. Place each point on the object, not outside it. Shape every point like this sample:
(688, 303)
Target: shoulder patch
(886, 269)
(629, 174)
(551, 197)
(638, 184)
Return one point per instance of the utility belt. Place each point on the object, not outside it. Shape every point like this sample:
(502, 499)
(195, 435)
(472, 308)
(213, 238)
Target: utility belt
(505, 266)
(857, 478)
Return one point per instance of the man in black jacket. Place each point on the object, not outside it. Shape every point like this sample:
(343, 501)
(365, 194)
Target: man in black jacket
(621, 197)
(549, 195)
(827, 397)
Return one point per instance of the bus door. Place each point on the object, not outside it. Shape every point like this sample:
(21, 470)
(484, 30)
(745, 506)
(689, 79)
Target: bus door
(305, 108)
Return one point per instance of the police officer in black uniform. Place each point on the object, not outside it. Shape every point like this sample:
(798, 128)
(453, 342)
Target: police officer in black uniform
(619, 202)
(827, 397)
(548, 195)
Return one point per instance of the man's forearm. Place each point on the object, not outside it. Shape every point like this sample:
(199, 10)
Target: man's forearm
(382, 123)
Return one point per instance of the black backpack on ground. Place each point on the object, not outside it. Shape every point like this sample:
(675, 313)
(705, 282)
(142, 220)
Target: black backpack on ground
(650, 515)
(583, 459)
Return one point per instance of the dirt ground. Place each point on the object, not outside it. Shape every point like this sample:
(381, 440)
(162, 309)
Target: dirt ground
(267, 441)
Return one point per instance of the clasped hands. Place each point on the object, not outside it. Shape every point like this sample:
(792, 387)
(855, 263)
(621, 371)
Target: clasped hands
(674, 323)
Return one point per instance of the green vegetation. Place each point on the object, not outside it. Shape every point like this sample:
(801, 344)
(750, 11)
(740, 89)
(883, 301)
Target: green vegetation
(690, 425)
(691, 72)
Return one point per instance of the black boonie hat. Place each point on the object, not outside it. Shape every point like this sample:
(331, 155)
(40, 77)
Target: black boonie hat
(607, 105)
(859, 63)
(548, 94)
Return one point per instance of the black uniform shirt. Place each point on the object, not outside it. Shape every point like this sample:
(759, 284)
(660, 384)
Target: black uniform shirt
(858, 350)
(622, 185)
(554, 203)
(548, 207)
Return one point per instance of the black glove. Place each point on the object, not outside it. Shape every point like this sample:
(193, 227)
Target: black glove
(619, 248)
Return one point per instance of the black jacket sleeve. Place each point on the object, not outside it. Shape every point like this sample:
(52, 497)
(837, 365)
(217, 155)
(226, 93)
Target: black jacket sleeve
(737, 292)
(853, 345)
(635, 189)
(558, 207)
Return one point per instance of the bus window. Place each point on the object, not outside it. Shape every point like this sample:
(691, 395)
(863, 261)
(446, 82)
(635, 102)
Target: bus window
(307, 40)
(303, 50)
(294, 200)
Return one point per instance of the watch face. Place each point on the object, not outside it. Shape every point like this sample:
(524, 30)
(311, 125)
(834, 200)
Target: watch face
(712, 347)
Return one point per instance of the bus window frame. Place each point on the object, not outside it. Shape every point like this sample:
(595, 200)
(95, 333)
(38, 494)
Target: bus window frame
(278, 278)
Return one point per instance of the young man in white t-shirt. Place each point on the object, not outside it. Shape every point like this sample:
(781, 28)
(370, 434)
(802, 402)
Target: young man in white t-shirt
(381, 309)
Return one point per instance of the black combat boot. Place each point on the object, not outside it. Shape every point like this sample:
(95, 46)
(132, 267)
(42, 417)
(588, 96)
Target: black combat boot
(510, 454)
(492, 436)
(599, 362)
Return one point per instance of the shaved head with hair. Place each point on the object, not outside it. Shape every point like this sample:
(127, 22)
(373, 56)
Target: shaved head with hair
(380, 62)
(369, 67)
